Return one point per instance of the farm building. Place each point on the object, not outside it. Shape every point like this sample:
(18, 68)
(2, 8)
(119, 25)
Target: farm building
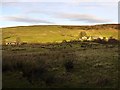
(90, 38)
(12, 43)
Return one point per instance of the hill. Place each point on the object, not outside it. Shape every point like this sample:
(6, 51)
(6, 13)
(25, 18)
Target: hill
(56, 33)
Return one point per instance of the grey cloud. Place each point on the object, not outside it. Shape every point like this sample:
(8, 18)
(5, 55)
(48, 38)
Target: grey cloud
(25, 19)
(83, 17)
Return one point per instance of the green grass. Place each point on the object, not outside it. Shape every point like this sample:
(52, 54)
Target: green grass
(49, 65)
(43, 66)
(44, 34)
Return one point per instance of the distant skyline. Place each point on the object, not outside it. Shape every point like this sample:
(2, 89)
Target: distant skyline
(39, 12)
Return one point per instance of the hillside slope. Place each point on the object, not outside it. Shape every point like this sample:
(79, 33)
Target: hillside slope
(56, 33)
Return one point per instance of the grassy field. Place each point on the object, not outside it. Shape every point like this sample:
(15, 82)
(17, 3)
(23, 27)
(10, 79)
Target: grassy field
(73, 64)
(66, 65)
(43, 34)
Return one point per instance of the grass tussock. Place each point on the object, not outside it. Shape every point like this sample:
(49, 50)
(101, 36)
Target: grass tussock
(68, 64)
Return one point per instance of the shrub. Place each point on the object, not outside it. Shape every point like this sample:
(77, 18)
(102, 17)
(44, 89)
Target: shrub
(112, 40)
(64, 41)
(34, 70)
(103, 81)
(102, 41)
(50, 79)
(69, 65)
(7, 64)
(82, 34)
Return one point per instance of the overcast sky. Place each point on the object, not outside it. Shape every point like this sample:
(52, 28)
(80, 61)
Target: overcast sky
(54, 12)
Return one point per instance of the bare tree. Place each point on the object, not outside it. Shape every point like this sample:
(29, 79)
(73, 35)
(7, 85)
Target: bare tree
(82, 34)
(18, 41)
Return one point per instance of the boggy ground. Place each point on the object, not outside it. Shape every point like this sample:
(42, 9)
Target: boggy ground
(73, 65)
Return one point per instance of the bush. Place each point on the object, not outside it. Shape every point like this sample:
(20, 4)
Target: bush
(50, 79)
(69, 65)
(112, 40)
(64, 41)
(34, 71)
(82, 34)
(101, 41)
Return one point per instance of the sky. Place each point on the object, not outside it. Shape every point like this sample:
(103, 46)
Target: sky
(58, 12)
